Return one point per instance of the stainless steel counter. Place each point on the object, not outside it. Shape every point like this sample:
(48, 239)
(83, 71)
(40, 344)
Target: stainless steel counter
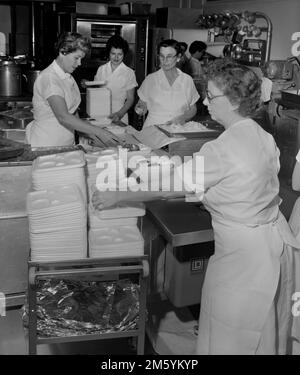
(181, 223)
(15, 182)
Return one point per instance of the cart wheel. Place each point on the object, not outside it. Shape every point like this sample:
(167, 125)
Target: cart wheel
(31, 275)
(145, 268)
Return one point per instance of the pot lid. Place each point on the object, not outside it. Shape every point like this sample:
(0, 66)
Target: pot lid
(7, 62)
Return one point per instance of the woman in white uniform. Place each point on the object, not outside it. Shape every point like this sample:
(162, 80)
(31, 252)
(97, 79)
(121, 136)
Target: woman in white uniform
(243, 308)
(56, 98)
(119, 78)
(295, 225)
(168, 95)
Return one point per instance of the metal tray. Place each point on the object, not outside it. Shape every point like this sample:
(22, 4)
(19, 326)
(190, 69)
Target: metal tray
(210, 133)
(10, 149)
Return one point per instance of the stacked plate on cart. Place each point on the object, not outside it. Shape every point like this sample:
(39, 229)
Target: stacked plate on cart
(57, 224)
(96, 163)
(114, 232)
(59, 169)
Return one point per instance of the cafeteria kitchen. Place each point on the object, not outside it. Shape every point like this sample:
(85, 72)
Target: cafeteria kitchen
(148, 208)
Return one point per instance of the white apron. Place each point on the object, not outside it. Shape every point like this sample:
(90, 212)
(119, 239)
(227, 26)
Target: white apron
(240, 285)
(295, 226)
(45, 130)
(118, 81)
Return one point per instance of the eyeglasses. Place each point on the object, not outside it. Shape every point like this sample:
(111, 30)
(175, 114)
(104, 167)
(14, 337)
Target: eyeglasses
(167, 58)
(210, 98)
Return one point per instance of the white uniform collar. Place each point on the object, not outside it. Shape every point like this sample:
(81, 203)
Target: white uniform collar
(58, 70)
(162, 71)
(120, 67)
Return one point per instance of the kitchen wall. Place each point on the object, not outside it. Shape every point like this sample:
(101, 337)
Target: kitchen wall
(154, 3)
(283, 14)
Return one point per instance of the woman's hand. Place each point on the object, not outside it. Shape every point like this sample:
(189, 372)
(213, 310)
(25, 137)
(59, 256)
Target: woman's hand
(83, 83)
(115, 116)
(141, 108)
(106, 199)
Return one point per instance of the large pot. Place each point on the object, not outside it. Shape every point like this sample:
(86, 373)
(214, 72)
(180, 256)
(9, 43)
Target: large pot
(10, 78)
(31, 76)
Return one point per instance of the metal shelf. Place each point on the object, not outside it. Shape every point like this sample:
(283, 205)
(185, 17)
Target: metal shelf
(88, 267)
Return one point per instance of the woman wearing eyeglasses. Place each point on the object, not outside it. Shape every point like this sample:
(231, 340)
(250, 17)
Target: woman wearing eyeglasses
(246, 297)
(168, 95)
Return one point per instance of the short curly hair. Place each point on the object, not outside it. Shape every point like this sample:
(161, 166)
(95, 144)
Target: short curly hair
(238, 82)
(69, 42)
(116, 41)
(170, 43)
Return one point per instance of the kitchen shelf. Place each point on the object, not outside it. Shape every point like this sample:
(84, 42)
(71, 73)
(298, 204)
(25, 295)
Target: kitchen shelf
(83, 268)
(26, 97)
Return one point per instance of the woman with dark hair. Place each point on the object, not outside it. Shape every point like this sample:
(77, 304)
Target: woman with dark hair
(169, 95)
(119, 78)
(197, 50)
(56, 98)
(246, 297)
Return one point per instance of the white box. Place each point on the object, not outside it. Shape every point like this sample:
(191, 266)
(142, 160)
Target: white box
(98, 102)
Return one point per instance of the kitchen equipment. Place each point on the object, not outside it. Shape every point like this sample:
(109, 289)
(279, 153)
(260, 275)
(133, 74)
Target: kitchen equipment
(91, 8)
(15, 182)
(134, 29)
(135, 8)
(10, 78)
(2, 44)
(279, 69)
(254, 50)
(290, 96)
(10, 149)
(17, 118)
(31, 76)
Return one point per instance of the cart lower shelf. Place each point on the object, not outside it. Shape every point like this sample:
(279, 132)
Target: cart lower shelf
(86, 268)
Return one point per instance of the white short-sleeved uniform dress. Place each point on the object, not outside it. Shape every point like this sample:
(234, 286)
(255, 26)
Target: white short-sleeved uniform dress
(45, 130)
(164, 101)
(119, 82)
(238, 314)
(294, 222)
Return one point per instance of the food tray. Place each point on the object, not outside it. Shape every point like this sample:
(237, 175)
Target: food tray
(209, 133)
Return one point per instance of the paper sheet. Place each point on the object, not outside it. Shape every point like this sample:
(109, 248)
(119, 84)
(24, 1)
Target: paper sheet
(153, 137)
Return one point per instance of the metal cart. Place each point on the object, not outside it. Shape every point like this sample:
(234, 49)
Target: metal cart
(86, 268)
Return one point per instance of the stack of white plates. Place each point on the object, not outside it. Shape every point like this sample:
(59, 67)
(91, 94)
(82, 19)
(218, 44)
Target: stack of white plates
(112, 242)
(59, 169)
(114, 232)
(123, 211)
(57, 224)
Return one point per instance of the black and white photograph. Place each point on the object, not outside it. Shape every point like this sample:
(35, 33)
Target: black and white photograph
(149, 181)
